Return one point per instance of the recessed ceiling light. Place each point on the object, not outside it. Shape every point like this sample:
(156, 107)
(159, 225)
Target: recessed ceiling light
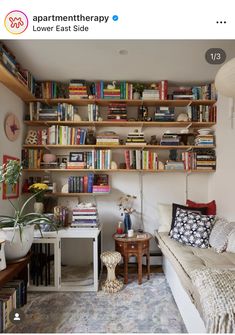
(123, 52)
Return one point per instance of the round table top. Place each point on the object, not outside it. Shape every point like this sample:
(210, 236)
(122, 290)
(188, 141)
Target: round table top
(138, 237)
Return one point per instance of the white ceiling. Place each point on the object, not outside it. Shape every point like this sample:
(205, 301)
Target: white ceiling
(178, 61)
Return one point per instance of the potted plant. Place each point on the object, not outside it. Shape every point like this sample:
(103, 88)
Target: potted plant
(39, 190)
(138, 90)
(18, 229)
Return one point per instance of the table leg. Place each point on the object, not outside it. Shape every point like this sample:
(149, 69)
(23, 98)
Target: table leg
(148, 265)
(139, 269)
(126, 258)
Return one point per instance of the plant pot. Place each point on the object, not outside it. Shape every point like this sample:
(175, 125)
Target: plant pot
(2, 255)
(38, 207)
(16, 247)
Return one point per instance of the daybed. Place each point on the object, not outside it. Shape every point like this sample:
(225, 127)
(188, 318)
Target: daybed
(179, 262)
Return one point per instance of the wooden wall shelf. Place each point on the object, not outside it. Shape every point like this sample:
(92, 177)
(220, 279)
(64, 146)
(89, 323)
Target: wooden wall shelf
(11, 82)
(120, 146)
(59, 194)
(121, 124)
(117, 170)
(106, 102)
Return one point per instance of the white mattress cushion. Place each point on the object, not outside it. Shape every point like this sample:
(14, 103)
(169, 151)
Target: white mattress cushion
(164, 217)
(231, 242)
(219, 234)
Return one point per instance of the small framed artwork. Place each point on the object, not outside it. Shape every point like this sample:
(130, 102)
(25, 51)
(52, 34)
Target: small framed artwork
(10, 191)
(76, 156)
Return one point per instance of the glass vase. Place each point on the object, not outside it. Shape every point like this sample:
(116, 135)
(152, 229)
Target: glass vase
(127, 222)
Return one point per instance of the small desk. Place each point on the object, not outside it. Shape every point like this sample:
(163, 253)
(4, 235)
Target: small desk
(132, 246)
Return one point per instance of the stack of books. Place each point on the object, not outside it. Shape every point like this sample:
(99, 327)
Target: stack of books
(174, 165)
(101, 184)
(151, 94)
(47, 114)
(113, 93)
(183, 93)
(136, 138)
(117, 112)
(77, 89)
(103, 159)
(12, 296)
(107, 138)
(137, 159)
(206, 159)
(84, 215)
(190, 160)
(207, 140)
(164, 114)
(93, 112)
(170, 139)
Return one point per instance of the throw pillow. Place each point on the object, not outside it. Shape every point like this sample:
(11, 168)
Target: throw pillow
(219, 234)
(192, 229)
(231, 241)
(164, 215)
(201, 210)
(211, 206)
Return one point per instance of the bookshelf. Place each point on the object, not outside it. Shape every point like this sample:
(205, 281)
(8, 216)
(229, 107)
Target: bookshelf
(118, 170)
(11, 82)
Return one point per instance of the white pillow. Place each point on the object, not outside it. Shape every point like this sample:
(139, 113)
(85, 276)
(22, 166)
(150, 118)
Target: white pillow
(219, 234)
(165, 217)
(231, 242)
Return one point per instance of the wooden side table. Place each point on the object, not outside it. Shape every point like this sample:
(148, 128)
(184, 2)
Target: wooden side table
(133, 246)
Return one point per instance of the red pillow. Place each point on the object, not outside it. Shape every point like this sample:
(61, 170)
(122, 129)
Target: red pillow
(211, 206)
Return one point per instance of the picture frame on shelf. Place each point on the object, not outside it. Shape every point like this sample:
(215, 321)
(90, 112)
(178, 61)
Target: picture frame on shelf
(10, 191)
(76, 156)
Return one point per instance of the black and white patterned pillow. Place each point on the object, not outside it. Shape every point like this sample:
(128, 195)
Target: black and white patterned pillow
(192, 228)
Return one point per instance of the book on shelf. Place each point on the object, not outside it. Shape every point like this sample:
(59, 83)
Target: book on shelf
(138, 159)
(174, 165)
(31, 158)
(164, 114)
(202, 113)
(39, 111)
(84, 215)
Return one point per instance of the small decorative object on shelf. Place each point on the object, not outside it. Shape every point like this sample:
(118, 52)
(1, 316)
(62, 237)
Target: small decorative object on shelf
(126, 207)
(61, 216)
(90, 137)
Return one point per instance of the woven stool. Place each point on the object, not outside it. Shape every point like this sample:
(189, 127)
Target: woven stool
(111, 259)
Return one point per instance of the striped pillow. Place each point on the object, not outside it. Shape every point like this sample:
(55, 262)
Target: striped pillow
(219, 234)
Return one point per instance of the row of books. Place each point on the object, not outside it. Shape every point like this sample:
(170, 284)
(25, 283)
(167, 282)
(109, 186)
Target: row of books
(43, 112)
(199, 160)
(149, 94)
(98, 183)
(93, 159)
(137, 159)
(31, 158)
(24, 76)
(202, 113)
(84, 215)
(93, 112)
(204, 92)
(12, 295)
(51, 90)
(62, 135)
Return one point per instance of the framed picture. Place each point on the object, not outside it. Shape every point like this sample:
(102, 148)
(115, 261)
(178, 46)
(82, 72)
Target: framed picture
(76, 156)
(10, 191)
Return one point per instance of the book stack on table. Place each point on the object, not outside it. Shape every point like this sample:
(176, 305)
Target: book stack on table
(84, 215)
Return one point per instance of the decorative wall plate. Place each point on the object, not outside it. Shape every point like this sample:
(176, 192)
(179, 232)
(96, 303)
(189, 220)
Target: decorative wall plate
(12, 127)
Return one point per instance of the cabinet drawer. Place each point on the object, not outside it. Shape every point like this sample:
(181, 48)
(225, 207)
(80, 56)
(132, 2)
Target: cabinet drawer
(119, 246)
(133, 246)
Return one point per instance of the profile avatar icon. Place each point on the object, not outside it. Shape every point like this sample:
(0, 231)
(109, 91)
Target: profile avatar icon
(17, 317)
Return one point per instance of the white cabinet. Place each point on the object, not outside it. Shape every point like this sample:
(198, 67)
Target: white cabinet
(46, 271)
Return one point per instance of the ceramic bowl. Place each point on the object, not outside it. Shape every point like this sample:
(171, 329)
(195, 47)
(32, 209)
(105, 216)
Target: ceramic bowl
(49, 158)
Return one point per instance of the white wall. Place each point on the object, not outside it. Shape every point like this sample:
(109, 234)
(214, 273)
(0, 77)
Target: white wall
(9, 103)
(222, 183)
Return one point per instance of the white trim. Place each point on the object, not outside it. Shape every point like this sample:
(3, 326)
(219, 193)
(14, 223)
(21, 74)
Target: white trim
(188, 311)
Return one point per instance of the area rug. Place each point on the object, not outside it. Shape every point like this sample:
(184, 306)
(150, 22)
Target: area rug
(146, 308)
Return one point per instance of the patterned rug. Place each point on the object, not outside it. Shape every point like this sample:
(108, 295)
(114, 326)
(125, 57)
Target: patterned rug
(146, 308)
